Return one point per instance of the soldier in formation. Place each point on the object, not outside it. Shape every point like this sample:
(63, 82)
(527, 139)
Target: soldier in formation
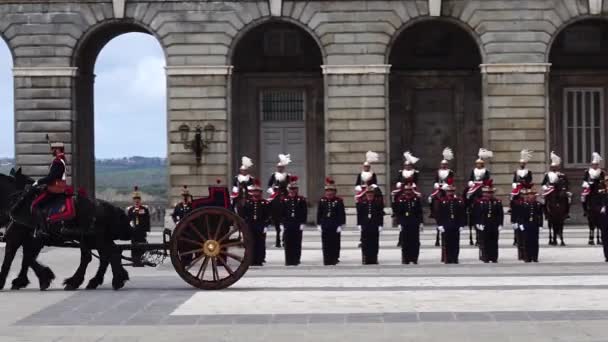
(604, 218)
(370, 218)
(139, 219)
(530, 220)
(489, 215)
(294, 214)
(408, 211)
(241, 184)
(331, 217)
(593, 179)
(451, 221)
(522, 178)
(277, 189)
(256, 213)
(184, 207)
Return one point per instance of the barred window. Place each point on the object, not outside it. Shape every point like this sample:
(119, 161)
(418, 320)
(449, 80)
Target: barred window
(282, 105)
(583, 125)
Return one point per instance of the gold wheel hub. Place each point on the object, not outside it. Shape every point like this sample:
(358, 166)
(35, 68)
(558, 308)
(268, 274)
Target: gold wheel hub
(211, 248)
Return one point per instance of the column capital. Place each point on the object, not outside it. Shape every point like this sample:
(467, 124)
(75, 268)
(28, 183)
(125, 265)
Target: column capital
(193, 70)
(515, 68)
(45, 71)
(356, 69)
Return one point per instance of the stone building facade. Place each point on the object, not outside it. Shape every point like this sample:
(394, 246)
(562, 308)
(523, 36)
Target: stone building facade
(326, 81)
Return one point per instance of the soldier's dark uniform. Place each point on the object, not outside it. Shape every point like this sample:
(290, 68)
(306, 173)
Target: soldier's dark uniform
(139, 216)
(489, 215)
(279, 188)
(331, 215)
(530, 220)
(604, 222)
(184, 207)
(294, 216)
(408, 211)
(256, 213)
(590, 182)
(370, 218)
(452, 217)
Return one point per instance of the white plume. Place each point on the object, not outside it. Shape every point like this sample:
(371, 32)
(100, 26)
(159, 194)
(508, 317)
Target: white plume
(596, 158)
(246, 162)
(371, 157)
(410, 157)
(284, 159)
(526, 155)
(485, 154)
(448, 154)
(555, 159)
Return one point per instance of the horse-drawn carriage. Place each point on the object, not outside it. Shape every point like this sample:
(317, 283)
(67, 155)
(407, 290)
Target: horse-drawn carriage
(210, 248)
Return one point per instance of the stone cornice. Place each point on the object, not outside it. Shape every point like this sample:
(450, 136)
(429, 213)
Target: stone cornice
(515, 68)
(356, 69)
(188, 70)
(45, 71)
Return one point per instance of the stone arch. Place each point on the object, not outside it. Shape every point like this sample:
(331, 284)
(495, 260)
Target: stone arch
(434, 93)
(565, 25)
(244, 31)
(465, 27)
(84, 59)
(272, 75)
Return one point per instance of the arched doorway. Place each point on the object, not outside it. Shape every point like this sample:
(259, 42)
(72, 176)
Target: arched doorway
(7, 110)
(579, 93)
(435, 98)
(120, 96)
(277, 103)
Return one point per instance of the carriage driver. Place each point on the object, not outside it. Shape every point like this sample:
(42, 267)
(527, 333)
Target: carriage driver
(139, 219)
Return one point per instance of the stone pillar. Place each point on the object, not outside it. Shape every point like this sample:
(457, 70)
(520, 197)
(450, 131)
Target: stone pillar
(198, 95)
(515, 117)
(356, 118)
(43, 105)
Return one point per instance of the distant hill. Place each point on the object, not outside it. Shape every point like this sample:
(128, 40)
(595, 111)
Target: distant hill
(6, 164)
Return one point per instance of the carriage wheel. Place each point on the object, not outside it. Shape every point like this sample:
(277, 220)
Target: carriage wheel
(211, 248)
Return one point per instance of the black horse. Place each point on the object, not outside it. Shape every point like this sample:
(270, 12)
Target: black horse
(98, 223)
(556, 212)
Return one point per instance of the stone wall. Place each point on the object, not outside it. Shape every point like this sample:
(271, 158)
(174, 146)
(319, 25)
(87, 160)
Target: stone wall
(44, 35)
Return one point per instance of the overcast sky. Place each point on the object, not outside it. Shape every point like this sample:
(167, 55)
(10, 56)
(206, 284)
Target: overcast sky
(130, 99)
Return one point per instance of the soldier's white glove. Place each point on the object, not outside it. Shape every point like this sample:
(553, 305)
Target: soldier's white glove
(400, 227)
(515, 226)
(471, 183)
(270, 191)
(380, 229)
(499, 228)
(265, 230)
(319, 228)
(282, 227)
(521, 227)
(35, 184)
(514, 185)
(585, 185)
(481, 227)
(436, 186)
(441, 229)
(421, 227)
(235, 189)
(358, 188)
(603, 210)
(339, 229)
(430, 199)
(544, 187)
(132, 224)
(359, 228)
(301, 227)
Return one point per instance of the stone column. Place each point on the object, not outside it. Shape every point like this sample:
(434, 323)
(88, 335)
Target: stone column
(356, 118)
(43, 105)
(197, 95)
(515, 117)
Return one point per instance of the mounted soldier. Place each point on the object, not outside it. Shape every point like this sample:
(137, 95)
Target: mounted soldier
(331, 217)
(294, 215)
(256, 213)
(240, 185)
(479, 175)
(556, 196)
(522, 178)
(184, 207)
(489, 215)
(593, 186)
(277, 189)
(408, 211)
(139, 219)
(366, 177)
(451, 220)
(408, 176)
(442, 176)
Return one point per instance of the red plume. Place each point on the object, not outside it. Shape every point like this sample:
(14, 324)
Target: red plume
(329, 181)
(450, 181)
(294, 179)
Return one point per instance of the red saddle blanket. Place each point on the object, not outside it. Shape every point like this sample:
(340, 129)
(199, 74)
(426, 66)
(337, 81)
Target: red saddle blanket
(57, 207)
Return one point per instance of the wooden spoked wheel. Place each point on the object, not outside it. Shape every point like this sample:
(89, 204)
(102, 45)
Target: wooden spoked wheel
(211, 248)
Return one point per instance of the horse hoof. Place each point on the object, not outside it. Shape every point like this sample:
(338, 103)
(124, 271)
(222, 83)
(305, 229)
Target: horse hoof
(19, 284)
(436, 244)
(70, 288)
(591, 243)
(93, 284)
(118, 284)
(562, 244)
(46, 278)
(71, 285)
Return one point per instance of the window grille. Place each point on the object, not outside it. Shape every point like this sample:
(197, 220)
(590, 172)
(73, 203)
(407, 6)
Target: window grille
(583, 122)
(282, 105)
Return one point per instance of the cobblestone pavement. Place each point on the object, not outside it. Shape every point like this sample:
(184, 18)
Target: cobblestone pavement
(562, 298)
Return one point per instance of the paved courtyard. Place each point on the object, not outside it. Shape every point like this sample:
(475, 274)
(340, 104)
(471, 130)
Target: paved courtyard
(562, 298)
